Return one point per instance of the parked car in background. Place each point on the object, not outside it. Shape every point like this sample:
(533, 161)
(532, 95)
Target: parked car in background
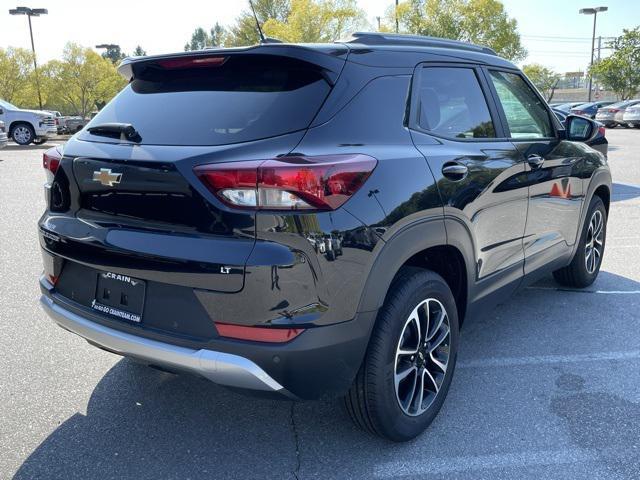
(589, 109)
(75, 124)
(27, 126)
(631, 116)
(612, 115)
(619, 116)
(4, 138)
(597, 140)
(566, 107)
(60, 121)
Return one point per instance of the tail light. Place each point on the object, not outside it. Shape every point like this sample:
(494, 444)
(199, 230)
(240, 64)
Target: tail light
(578, 112)
(602, 131)
(51, 160)
(258, 334)
(613, 110)
(288, 183)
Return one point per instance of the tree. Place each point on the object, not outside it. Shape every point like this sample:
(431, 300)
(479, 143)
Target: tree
(316, 21)
(139, 52)
(545, 79)
(620, 71)
(217, 36)
(199, 40)
(484, 22)
(245, 32)
(114, 54)
(16, 74)
(81, 81)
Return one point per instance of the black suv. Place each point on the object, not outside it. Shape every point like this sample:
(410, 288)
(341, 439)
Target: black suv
(317, 220)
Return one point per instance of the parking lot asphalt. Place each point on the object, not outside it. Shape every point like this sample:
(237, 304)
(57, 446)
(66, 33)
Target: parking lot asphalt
(547, 385)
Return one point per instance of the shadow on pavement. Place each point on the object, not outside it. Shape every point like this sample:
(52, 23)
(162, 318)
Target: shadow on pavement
(142, 423)
(606, 281)
(624, 192)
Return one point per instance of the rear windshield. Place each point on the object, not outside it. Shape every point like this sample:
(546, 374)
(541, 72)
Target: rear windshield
(248, 97)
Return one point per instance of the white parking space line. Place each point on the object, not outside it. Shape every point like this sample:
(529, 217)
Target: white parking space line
(549, 359)
(435, 466)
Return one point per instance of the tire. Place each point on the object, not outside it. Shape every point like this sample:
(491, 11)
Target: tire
(584, 267)
(374, 401)
(39, 141)
(23, 134)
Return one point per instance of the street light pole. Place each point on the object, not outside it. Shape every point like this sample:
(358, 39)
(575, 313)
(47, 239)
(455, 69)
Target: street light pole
(594, 12)
(32, 12)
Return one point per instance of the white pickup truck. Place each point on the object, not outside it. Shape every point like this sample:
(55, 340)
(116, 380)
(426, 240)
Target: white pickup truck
(27, 126)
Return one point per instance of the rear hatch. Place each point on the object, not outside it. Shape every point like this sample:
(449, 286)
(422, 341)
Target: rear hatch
(131, 203)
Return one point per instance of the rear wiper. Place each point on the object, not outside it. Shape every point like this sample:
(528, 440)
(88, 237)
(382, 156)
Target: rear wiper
(116, 130)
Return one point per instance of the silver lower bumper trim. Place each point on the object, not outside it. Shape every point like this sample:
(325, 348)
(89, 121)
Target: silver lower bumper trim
(219, 367)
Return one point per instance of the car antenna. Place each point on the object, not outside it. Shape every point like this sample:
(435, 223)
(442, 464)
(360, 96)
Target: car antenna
(263, 39)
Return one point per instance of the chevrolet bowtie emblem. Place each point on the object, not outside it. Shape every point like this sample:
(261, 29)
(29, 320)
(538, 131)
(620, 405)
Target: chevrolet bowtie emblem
(106, 177)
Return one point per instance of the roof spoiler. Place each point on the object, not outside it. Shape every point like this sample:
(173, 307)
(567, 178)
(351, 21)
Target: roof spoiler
(330, 61)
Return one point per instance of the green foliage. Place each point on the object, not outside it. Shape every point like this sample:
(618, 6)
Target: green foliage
(620, 71)
(484, 22)
(311, 21)
(139, 52)
(545, 79)
(81, 82)
(297, 21)
(16, 74)
(114, 54)
(217, 35)
(200, 38)
(245, 32)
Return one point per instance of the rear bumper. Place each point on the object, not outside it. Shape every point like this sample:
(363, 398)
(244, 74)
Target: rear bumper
(219, 367)
(321, 362)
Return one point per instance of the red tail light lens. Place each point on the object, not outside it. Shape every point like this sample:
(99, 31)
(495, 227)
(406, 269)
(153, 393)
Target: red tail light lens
(613, 110)
(289, 183)
(258, 334)
(51, 160)
(602, 131)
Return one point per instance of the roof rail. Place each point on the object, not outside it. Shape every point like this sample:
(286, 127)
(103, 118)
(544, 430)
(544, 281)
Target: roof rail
(376, 38)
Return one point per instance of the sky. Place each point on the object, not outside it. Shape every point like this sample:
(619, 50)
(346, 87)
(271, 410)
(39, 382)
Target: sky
(552, 31)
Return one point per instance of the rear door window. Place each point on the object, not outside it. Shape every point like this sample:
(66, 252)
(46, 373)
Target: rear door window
(452, 104)
(526, 115)
(245, 98)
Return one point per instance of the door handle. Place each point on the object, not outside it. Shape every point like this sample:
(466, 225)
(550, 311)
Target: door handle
(535, 161)
(454, 171)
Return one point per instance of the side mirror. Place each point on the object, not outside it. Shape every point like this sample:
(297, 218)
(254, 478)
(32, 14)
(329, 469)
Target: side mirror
(1, 111)
(579, 129)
